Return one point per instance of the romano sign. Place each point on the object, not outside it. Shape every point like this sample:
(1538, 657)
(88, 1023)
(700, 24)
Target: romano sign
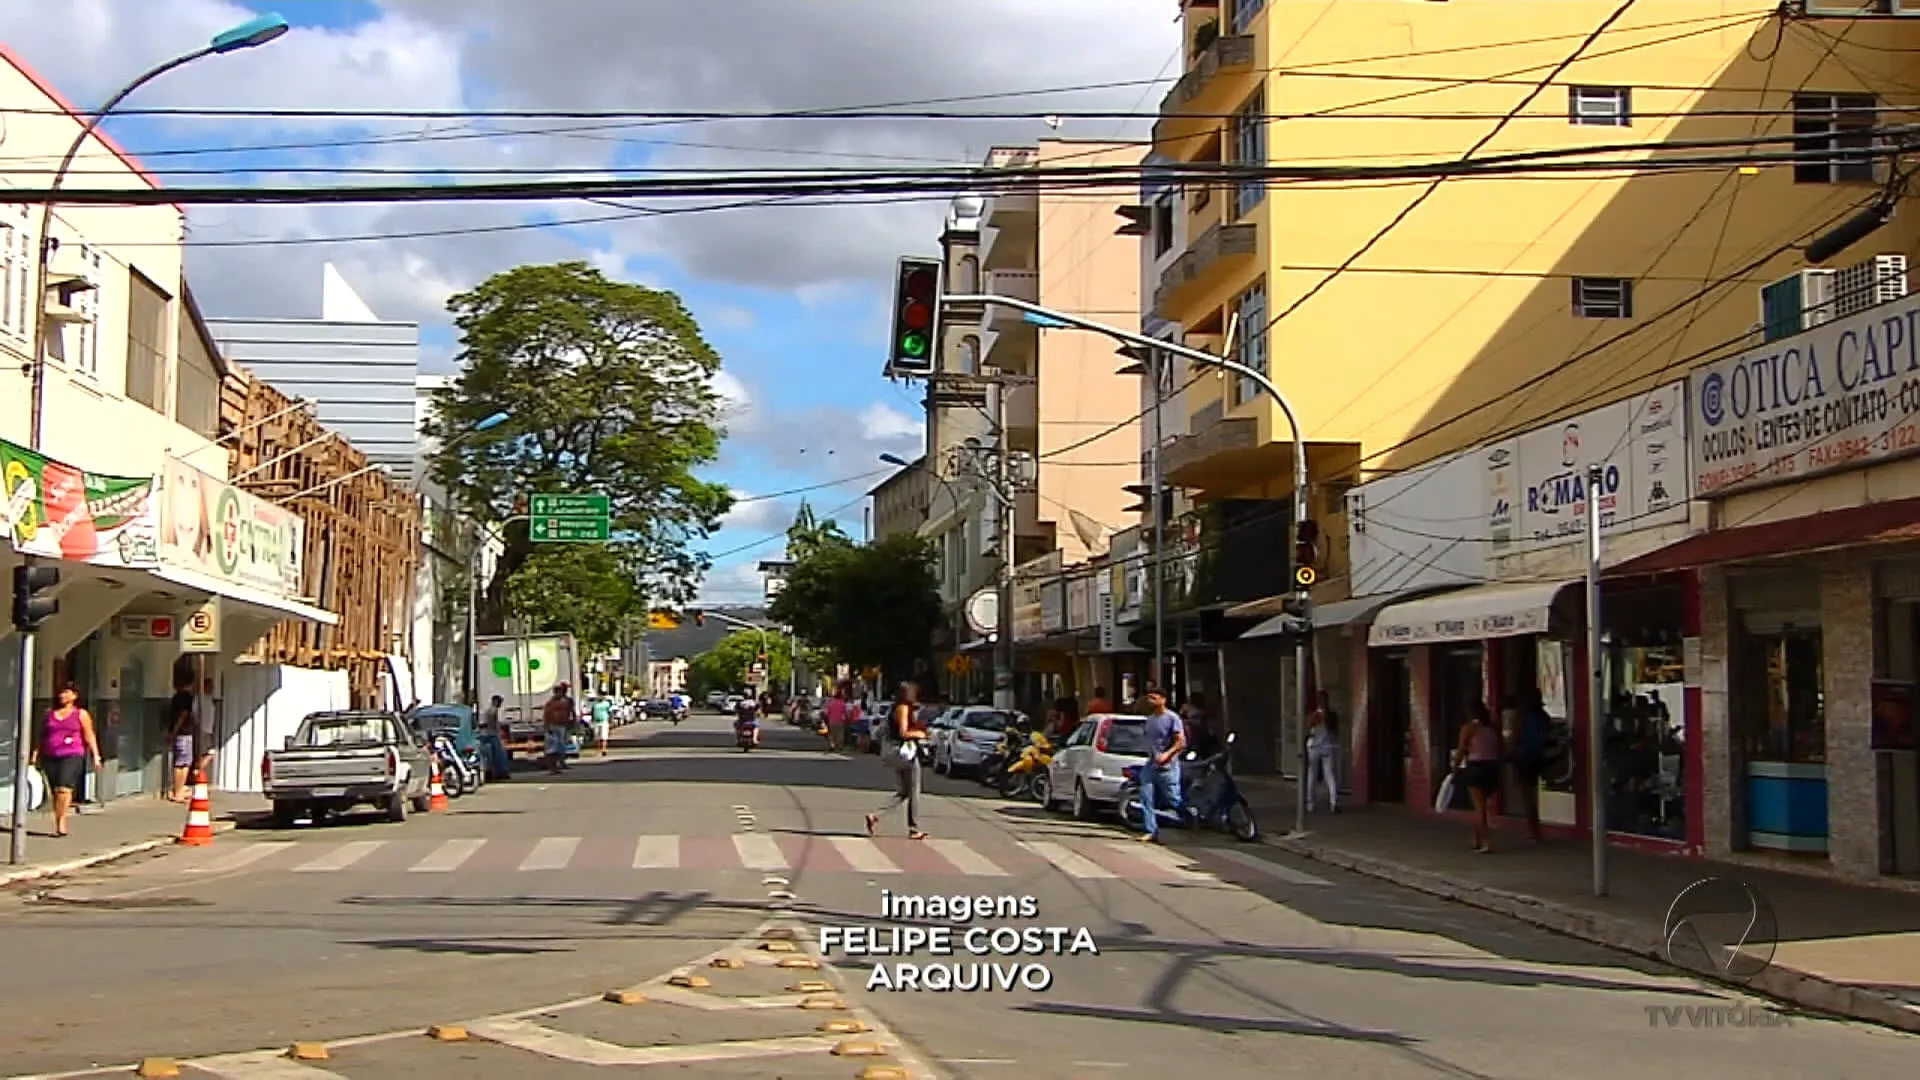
(1841, 395)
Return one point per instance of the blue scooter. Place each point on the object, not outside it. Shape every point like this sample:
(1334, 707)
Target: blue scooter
(1210, 799)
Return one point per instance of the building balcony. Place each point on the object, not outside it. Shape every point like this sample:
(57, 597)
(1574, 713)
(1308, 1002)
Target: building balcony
(1014, 285)
(1219, 79)
(1219, 254)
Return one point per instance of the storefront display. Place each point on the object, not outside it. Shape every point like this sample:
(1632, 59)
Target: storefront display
(1646, 739)
(1779, 711)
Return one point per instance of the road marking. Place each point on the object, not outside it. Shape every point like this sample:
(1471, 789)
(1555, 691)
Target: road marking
(580, 1050)
(965, 859)
(246, 856)
(758, 852)
(1066, 861)
(1162, 860)
(551, 853)
(448, 857)
(259, 1065)
(1268, 867)
(863, 855)
(656, 853)
(341, 857)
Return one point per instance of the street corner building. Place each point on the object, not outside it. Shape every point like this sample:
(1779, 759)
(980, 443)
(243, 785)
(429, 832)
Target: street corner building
(209, 533)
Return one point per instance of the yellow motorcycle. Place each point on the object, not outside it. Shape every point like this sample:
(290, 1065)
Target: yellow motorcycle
(1026, 776)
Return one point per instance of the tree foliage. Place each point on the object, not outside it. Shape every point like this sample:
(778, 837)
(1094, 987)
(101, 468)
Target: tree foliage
(608, 387)
(590, 591)
(724, 667)
(874, 605)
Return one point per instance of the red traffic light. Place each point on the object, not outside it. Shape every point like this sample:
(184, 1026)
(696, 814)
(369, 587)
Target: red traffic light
(916, 316)
(922, 284)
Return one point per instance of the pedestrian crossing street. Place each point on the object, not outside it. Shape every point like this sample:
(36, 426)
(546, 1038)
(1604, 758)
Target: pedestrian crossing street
(1087, 859)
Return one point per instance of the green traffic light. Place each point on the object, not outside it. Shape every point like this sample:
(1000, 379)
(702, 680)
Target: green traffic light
(914, 345)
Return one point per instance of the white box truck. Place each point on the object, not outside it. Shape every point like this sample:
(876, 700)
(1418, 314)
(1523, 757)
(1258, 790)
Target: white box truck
(523, 671)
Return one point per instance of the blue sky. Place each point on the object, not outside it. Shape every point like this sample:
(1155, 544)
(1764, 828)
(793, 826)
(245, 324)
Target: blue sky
(792, 298)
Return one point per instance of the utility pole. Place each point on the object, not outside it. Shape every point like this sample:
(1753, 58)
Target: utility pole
(1003, 695)
(1596, 687)
(1156, 366)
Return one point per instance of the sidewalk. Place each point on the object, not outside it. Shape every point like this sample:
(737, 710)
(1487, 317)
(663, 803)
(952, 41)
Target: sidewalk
(125, 827)
(1843, 949)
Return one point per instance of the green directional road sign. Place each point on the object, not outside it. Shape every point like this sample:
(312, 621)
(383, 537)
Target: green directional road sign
(569, 519)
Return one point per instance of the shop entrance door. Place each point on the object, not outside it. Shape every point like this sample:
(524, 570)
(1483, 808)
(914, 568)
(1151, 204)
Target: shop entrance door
(1389, 697)
(1459, 683)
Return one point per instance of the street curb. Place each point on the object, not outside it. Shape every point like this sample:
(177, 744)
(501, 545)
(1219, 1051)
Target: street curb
(1809, 992)
(38, 873)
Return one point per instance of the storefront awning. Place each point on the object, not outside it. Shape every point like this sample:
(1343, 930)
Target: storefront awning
(1485, 611)
(240, 594)
(1359, 611)
(1888, 522)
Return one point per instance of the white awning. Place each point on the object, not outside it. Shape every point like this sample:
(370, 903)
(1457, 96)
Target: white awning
(1356, 613)
(244, 596)
(1488, 611)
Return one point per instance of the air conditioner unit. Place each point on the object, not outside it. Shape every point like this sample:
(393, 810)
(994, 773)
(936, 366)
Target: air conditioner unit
(1796, 304)
(1879, 280)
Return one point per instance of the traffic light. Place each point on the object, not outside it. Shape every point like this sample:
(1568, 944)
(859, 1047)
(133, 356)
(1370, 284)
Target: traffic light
(1306, 544)
(916, 316)
(699, 617)
(30, 609)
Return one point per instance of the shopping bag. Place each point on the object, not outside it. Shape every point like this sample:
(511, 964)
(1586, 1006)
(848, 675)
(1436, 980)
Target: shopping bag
(1443, 799)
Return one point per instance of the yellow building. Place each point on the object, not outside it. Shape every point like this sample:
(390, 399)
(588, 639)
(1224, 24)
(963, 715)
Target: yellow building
(1492, 306)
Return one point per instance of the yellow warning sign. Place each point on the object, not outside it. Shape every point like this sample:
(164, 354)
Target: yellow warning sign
(1304, 576)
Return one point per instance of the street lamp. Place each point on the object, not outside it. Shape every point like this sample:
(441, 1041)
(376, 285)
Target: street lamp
(1050, 319)
(473, 563)
(255, 31)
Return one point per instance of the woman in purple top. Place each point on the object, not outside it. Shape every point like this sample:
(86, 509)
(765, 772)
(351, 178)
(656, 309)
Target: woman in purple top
(65, 745)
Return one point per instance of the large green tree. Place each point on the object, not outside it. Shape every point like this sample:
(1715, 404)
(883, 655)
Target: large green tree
(590, 591)
(724, 667)
(872, 605)
(608, 386)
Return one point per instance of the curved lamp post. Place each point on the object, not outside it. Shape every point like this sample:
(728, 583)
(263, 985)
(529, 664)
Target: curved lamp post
(253, 32)
(473, 566)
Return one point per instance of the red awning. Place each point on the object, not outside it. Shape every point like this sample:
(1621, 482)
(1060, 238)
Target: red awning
(1874, 523)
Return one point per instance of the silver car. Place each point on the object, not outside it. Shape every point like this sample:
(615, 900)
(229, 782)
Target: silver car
(969, 739)
(1088, 770)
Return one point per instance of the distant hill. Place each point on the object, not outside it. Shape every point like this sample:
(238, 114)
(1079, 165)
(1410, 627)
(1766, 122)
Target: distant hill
(690, 640)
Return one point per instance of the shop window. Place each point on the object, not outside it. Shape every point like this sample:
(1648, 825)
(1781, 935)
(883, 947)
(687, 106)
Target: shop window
(1646, 735)
(1787, 721)
(1837, 133)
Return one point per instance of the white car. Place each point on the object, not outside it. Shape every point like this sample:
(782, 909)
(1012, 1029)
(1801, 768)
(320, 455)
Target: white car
(1087, 771)
(969, 739)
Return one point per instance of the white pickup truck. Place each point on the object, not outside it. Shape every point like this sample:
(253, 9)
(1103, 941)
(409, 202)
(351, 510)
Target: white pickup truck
(337, 761)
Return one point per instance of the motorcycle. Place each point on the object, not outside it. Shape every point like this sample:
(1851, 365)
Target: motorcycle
(1026, 777)
(1210, 799)
(455, 774)
(993, 770)
(743, 734)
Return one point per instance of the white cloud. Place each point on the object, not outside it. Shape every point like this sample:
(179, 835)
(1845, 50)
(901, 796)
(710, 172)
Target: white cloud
(758, 514)
(881, 422)
(736, 583)
(737, 408)
(733, 318)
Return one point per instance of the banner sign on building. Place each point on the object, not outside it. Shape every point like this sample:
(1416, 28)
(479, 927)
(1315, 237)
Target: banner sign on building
(1536, 484)
(56, 511)
(209, 526)
(1842, 395)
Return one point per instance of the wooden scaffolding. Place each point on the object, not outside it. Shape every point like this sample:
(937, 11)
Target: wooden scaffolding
(362, 534)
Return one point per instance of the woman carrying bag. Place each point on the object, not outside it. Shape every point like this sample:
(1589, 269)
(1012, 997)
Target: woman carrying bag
(900, 749)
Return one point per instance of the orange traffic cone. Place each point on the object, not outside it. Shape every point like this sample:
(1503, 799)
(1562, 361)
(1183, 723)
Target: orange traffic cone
(199, 830)
(436, 791)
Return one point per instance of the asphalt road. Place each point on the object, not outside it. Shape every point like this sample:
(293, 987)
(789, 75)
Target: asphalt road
(514, 914)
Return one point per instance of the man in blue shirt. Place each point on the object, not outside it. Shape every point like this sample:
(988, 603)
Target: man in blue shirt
(1160, 776)
(1530, 744)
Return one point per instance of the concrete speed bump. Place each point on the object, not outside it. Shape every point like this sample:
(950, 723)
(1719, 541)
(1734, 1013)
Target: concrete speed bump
(811, 986)
(824, 1004)
(778, 946)
(884, 1072)
(844, 1027)
(728, 963)
(158, 1069)
(447, 1033)
(308, 1051)
(779, 933)
(859, 1048)
(807, 963)
(690, 982)
(624, 997)
(780, 894)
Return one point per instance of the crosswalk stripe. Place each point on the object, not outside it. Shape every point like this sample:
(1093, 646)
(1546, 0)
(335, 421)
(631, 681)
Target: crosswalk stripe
(246, 856)
(448, 856)
(759, 852)
(965, 859)
(551, 853)
(1270, 868)
(656, 853)
(1160, 858)
(341, 857)
(1066, 861)
(863, 855)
